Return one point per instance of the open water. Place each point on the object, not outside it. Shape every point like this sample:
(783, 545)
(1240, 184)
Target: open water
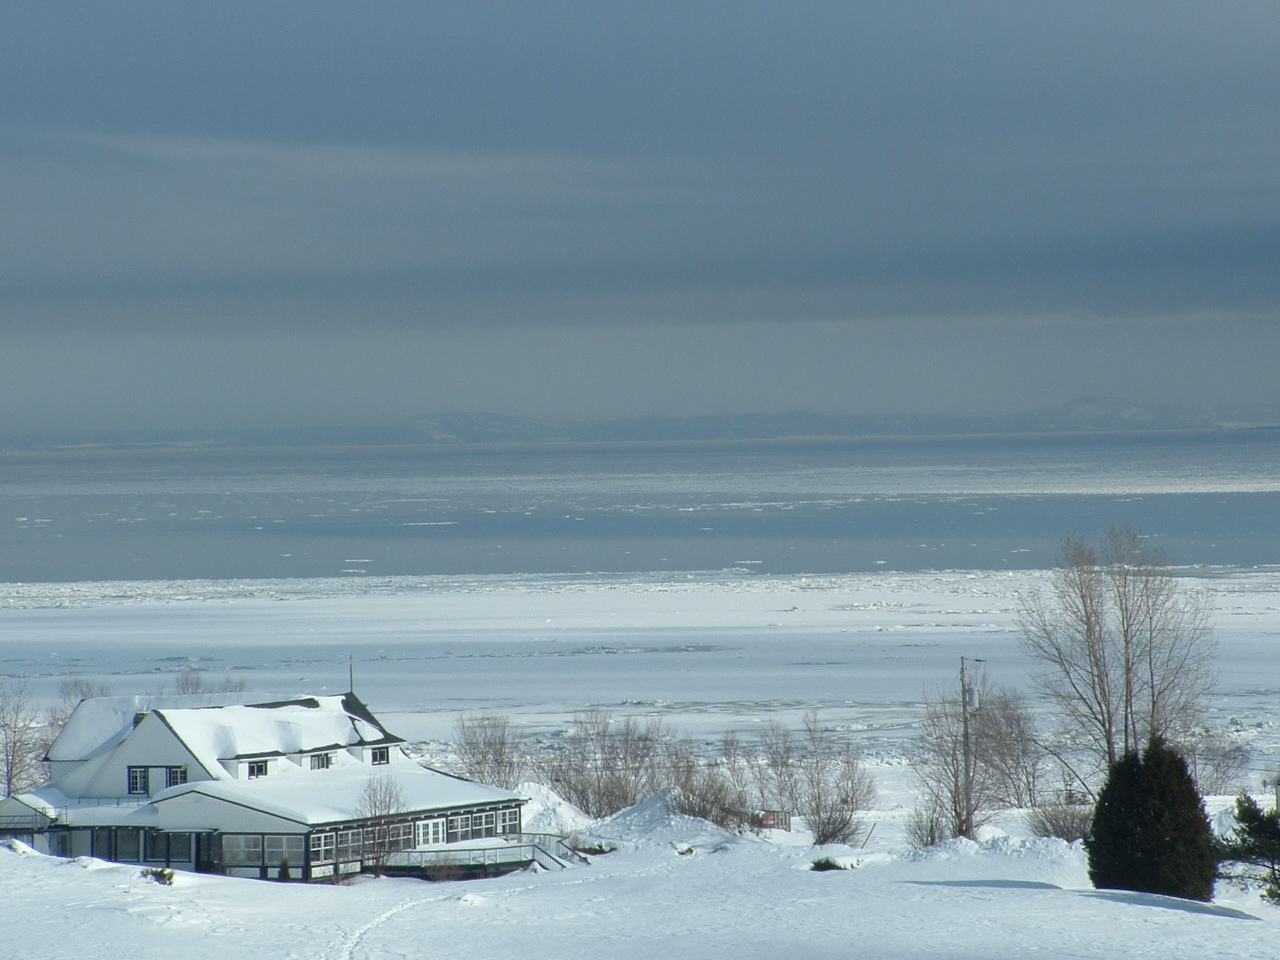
(770, 508)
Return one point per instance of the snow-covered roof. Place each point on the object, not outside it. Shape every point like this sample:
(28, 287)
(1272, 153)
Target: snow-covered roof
(274, 729)
(98, 724)
(54, 804)
(218, 727)
(330, 796)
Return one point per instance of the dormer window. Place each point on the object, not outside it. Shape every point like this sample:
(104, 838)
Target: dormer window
(379, 755)
(321, 761)
(257, 768)
(138, 781)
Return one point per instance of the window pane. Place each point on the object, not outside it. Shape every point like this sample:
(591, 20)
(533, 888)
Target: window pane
(242, 850)
(155, 845)
(138, 780)
(322, 847)
(348, 844)
(128, 845)
(273, 849)
(179, 846)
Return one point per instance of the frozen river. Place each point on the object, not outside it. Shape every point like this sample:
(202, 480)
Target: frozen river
(705, 653)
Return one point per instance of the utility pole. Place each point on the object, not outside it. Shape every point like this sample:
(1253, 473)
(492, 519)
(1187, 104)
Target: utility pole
(970, 702)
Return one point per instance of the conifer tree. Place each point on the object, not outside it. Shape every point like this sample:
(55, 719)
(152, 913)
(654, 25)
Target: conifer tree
(1149, 831)
(1256, 843)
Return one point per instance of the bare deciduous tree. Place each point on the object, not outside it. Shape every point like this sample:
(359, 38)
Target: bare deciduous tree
(1217, 763)
(775, 770)
(193, 680)
(927, 824)
(832, 786)
(488, 749)
(711, 789)
(1004, 766)
(1009, 747)
(1127, 655)
(813, 775)
(380, 799)
(604, 764)
(21, 738)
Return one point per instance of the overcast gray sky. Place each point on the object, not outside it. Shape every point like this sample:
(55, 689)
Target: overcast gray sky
(307, 213)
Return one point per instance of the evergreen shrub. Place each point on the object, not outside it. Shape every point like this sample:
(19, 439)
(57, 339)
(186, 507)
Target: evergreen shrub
(1255, 842)
(1149, 831)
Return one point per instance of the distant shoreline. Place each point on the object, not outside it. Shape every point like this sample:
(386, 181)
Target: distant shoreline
(240, 446)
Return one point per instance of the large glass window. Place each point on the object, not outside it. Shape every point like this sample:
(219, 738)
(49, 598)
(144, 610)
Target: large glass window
(156, 846)
(508, 821)
(459, 828)
(60, 843)
(323, 848)
(283, 847)
(242, 850)
(128, 844)
(401, 837)
(138, 780)
(348, 844)
(429, 832)
(179, 847)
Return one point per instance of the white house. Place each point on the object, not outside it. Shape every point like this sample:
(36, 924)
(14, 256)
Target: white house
(201, 783)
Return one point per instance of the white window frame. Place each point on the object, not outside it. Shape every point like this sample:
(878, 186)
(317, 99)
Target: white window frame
(400, 836)
(380, 755)
(175, 776)
(139, 781)
(508, 822)
(350, 846)
(321, 761)
(255, 769)
(324, 848)
(461, 826)
(429, 833)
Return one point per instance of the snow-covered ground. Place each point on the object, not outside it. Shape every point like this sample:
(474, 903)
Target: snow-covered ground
(704, 653)
(673, 887)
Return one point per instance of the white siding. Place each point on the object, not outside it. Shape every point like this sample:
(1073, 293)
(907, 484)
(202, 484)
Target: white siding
(151, 745)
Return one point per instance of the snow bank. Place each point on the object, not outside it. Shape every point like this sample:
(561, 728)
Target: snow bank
(547, 812)
(650, 824)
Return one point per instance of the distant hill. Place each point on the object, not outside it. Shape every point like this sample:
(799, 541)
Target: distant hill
(1084, 415)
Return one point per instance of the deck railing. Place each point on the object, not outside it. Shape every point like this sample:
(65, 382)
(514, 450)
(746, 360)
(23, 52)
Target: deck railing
(547, 850)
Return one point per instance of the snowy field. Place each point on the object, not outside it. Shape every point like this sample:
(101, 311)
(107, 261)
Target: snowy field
(705, 653)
